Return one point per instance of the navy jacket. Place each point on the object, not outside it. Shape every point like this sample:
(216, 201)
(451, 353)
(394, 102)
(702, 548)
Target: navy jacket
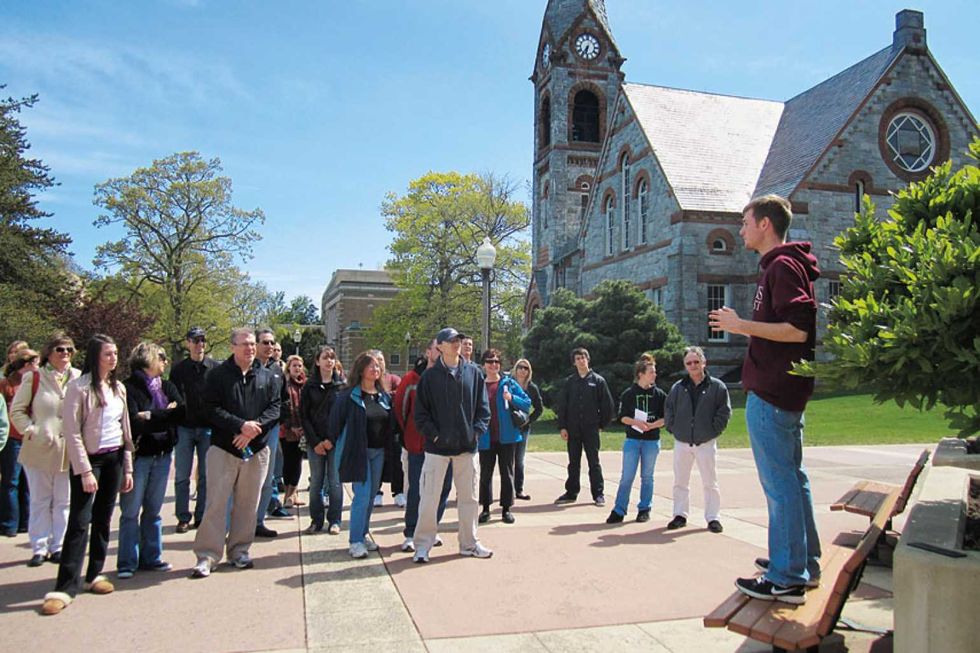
(232, 399)
(452, 411)
(348, 431)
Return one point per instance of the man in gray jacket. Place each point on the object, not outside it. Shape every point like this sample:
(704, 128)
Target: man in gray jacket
(697, 411)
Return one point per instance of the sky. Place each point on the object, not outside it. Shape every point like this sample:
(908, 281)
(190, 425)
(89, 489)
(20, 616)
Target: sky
(317, 109)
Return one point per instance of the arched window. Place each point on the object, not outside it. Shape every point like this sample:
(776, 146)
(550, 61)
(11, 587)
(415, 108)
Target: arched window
(546, 122)
(859, 196)
(585, 117)
(718, 245)
(644, 199)
(610, 221)
(624, 169)
(545, 201)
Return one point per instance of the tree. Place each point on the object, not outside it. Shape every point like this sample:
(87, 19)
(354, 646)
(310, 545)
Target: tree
(907, 323)
(181, 230)
(438, 225)
(301, 310)
(616, 326)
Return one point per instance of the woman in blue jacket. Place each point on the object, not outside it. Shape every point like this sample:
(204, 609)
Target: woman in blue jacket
(362, 426)
(499, 443)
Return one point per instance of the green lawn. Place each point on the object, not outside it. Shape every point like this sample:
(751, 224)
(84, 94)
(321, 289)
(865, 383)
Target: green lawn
(830, 420)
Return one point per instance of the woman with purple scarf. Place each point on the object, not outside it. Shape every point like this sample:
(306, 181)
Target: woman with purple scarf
(155, 407)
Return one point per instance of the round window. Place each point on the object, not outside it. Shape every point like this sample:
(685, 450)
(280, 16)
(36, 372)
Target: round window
(911, 142)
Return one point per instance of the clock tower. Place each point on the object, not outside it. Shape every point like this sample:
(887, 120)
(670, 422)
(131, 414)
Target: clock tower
(576, 77)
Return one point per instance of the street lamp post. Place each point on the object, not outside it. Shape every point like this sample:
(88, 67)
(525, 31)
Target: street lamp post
(297, 336)
(408, 351)
(486, 254)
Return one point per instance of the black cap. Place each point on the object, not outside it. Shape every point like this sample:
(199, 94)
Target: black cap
(196, 332)
(446, 335)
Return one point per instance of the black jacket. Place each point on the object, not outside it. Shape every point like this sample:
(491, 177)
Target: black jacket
(233, 399)
(585, 403)
(315, 404)
(451, 411)
(536, 406)
(158, 435)
(188, 376)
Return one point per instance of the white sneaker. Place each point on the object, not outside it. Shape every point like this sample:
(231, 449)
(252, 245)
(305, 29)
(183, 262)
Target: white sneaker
(400, 500)
(378, 499)
(243, 562)
(202, 569)
(334, 529)
(476, 551)
(420, 557)
(358, 550)
(408, 545)
(370, 545)
(438, 540)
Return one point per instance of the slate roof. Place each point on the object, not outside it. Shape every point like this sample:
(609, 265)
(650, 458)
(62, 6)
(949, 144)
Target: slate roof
(812, 119)
(711, 147)
(561, 14)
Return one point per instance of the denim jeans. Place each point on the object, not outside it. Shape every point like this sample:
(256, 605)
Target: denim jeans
(519, 456)
(415, 461)
(191, 439)
(140, 525)
(776, 436)
(323, 470)
(363, 502)
(14, 493)
(643, 453)
(269, 489)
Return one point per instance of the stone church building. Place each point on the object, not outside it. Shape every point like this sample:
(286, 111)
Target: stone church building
(647, 183)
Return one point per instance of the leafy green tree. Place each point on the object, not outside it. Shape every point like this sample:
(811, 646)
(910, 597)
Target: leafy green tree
(616, 326)
(438, 225)
(181, 232)
(907, 324)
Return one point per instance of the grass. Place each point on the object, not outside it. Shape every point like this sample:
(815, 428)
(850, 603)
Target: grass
(831, 419)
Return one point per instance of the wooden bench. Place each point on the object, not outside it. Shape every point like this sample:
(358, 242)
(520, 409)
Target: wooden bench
(866, 497)
(801, 627)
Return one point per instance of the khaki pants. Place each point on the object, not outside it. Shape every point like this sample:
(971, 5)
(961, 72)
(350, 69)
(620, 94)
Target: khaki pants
(230, 476)
(466, 476)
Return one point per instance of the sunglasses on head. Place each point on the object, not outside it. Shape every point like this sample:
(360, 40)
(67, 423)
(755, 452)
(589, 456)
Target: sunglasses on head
(64, 350)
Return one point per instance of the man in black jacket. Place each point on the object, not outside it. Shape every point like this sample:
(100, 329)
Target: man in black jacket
(585, 406)
(193, 430)
(451, 413)
(242, 400)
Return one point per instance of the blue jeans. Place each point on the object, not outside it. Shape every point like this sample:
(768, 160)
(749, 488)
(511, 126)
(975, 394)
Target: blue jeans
(363, 502)
(519, 456)
(415, 461)
(14, 493)
(776, 436)
(191, 439)
(643, 453)
(140, 525)
(269, 489)
(323, 469)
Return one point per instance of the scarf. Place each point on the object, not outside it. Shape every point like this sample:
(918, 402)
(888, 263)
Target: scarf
(155, 388)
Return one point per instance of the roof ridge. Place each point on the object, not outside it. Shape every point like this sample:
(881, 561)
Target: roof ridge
(691, 90)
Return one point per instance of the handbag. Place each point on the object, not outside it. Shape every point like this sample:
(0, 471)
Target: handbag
(518, 417)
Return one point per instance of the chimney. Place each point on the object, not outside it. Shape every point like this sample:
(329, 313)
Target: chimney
(910, 33)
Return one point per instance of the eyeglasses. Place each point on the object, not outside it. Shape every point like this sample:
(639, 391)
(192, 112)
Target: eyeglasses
(523, 367)
(198, 340)
(64, 350)
(163, 357)
(268, 343)
(690, 363)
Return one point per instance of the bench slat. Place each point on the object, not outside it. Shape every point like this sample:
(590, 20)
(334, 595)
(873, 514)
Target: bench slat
(906, 494)
(718, 618)
(744, 621)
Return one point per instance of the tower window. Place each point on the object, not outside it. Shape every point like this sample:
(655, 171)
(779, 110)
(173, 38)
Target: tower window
(546, 122)
(585, 117)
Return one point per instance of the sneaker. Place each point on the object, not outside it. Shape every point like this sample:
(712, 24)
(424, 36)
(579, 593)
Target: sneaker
(420, 557)
(762, 564)
(614, 518)
(160, 565)
(476, 551)
(408, 546)
(643, 515)
(99, 585)
(202, 569)
(280, 512)
(370, 545)
(679, 521)
(400, 500)
(523, 497)
(438, 541)
(508, 517)
(358, 550)
(600, 501)
(715, 526)
(243, 562)
(566, 498)
(183, 526)
(262, 531)
(334, 529)
(36, 560)
(125, 573)
(379, 500)
(760, 588)
(484, 516)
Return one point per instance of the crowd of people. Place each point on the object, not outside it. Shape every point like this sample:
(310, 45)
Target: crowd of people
(78, 441)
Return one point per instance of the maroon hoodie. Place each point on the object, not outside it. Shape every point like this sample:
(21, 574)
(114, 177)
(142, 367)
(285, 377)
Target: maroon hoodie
(784, 294)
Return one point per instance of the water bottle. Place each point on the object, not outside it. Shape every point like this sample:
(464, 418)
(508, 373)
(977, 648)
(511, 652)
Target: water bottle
(247, 452)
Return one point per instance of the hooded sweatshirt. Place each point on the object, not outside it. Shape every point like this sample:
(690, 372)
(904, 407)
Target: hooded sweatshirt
(784, 294)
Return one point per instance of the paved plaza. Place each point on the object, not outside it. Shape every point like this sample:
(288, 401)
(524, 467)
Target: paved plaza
(560, 578)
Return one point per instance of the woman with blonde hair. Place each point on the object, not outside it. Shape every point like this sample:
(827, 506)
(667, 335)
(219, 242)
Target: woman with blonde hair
(291, 429)
(36, 413)
(522, 373)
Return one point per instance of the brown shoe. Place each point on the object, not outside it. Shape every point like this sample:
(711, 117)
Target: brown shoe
(100, 585)
(183, 527)
(55, 602)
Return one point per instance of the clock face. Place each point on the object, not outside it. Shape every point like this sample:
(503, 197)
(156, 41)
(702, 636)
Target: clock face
(587, 46)
(546, 55)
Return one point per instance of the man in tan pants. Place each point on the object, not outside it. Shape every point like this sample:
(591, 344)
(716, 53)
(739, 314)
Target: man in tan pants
(242, 402)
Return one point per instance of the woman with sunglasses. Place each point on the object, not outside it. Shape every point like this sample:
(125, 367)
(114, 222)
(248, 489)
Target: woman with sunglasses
(36, 413)
(522, 374)
(499, 443)
(14, 493)
(155, 408)
(100, 448)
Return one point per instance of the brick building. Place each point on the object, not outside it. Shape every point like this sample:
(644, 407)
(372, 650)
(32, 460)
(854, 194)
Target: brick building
(647, 183)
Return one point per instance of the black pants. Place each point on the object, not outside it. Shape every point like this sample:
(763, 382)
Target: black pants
(519, 454)
(503, 456)
(292, 462)
(588, 439)
(86, 508)
(392, 471)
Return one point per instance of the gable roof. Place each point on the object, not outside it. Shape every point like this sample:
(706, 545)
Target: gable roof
(710, 147)
(812, 119)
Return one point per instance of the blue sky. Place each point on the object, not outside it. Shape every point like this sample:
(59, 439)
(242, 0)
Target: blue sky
(317, 109)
